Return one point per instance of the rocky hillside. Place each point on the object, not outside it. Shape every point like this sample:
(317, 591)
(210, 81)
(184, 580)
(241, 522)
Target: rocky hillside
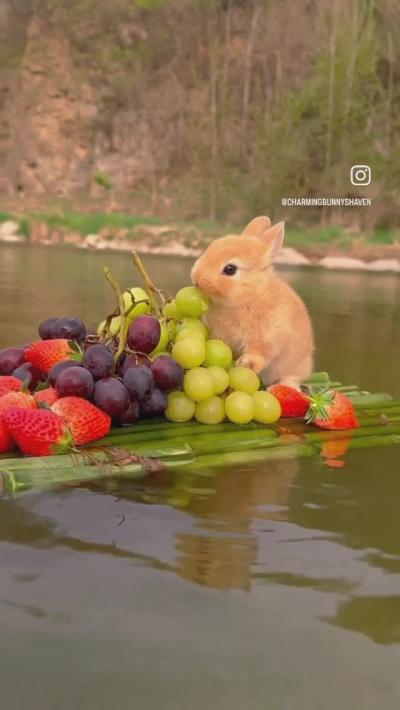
(200, 107)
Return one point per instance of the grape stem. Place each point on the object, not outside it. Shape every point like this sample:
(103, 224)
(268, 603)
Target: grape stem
(151, 289)
(105, 334)
(121, 307)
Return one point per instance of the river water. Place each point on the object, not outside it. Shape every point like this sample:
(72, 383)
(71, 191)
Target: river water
(267, 586)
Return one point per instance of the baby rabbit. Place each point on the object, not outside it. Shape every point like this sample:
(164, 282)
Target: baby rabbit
(257, 313)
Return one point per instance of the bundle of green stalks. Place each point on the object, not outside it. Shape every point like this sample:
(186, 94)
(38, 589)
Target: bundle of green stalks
(134, 451)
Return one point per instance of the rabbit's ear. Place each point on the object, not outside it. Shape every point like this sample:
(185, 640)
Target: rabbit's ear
(256, 227)
(273, 239)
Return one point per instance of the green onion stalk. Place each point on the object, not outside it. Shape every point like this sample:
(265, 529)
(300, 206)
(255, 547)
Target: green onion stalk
(207, 449)
(134, 451)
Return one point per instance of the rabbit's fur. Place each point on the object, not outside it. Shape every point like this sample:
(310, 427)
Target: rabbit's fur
(253, 310)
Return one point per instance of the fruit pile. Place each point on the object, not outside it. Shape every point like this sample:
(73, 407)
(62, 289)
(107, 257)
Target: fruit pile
(150, 358)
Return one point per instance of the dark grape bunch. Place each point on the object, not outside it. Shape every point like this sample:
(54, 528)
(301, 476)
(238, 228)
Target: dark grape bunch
(134, 386)
(142, 365)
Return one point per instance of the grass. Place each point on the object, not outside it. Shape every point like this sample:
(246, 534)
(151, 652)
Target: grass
(6, 216)
(92, 222)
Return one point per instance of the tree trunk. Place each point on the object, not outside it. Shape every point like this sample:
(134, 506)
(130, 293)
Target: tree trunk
(247, 75)
(212, 41)
(331, 86)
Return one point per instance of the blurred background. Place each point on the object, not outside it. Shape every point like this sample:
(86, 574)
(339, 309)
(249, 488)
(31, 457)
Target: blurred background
(203, 111)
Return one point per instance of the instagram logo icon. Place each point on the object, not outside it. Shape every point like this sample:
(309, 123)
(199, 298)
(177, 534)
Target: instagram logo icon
(360, 175)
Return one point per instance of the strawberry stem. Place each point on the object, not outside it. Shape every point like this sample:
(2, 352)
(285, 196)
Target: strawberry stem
(319, 401)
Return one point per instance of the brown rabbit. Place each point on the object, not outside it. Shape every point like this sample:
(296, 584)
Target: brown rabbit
(257, 313)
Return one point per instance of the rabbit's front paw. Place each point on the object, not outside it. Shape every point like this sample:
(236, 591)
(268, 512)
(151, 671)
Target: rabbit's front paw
(252, 361)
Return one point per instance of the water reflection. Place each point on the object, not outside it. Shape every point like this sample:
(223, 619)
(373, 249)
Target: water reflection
(290, 524)
(225, 558)
(375, 617)
(217, 562)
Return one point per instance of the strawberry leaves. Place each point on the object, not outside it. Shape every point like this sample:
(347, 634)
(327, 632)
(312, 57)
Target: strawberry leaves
(320, 399)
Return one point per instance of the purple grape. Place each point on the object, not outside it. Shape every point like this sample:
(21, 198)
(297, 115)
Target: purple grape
(74, 382)
(131, 414)
(60, 367)
(30, 374)
(133, 361)
(99, 361)
(69, 328)
(45, 328)
(144, 334)
(139, 382)
(10, 359)
(111, 395)
(167, 373)
(154, 406)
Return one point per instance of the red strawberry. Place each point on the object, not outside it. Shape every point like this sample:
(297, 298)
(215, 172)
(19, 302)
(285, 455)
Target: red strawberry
(38, 432)
(16, 399)
(6, 442)
(43, 354)
(8, 383)
(12, 399)
(46, 396)
(293, 402)
(86, 422)
(330, 409)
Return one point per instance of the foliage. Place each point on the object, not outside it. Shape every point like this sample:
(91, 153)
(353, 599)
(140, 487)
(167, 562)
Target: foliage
(243, 102)
(103, 181)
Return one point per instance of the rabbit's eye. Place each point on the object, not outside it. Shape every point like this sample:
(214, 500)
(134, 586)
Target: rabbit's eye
(229, 269)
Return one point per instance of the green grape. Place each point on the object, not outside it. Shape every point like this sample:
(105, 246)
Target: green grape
(163, 341)
(179, 407)
(189, 333)
(210, 410)
(138, 295)
(191, 301)
(243, 379)
(193, 323)
(198, 384)
(267, 408)
(171, 310)
(239, 407)
(189, 352)
(113, 327)
(220, 377)
(218, 353)
(171, 327)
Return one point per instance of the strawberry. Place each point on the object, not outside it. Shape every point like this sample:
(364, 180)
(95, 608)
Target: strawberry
(38, 432)
(45, 396)
(330, 409)
(8, 383)
(293, 402)
(6, 441)
(12, 399)
(43, 354)
(16, 399)
(86, 422)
